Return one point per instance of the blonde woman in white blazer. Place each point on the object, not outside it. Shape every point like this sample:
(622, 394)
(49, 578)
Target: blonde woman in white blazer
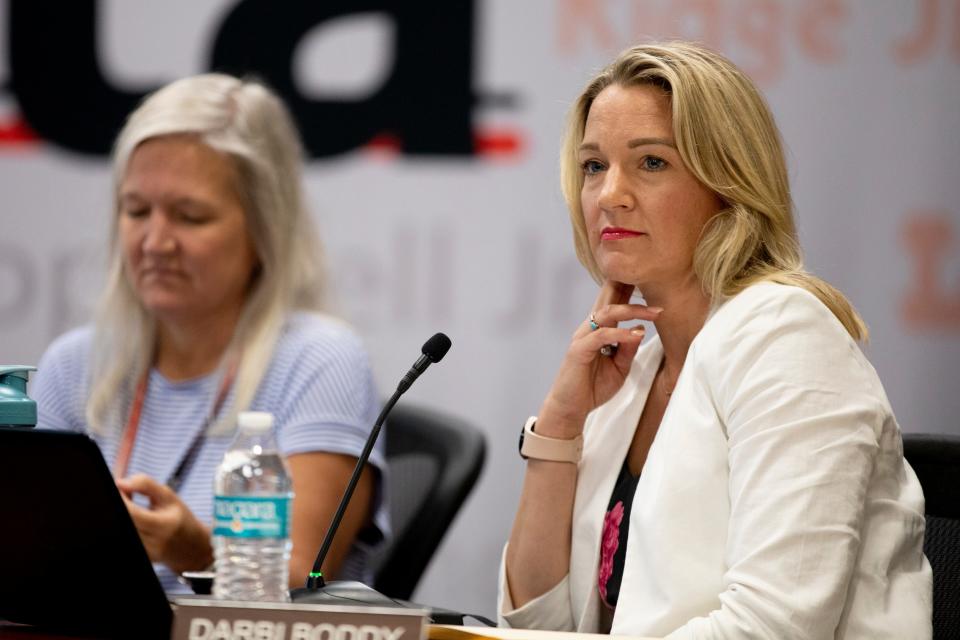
(740, 475)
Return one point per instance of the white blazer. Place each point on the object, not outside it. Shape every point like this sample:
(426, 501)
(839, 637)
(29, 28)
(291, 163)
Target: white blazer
(774, 503)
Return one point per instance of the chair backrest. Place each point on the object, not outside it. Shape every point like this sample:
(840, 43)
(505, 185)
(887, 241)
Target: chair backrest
(434, 459)
(936, 460)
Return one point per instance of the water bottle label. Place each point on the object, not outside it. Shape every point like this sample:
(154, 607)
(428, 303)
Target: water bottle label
(251, 517)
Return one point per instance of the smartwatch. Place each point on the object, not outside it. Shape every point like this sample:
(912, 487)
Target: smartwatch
(537, 447)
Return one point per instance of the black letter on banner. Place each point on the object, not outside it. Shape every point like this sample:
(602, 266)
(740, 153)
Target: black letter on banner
(425, 102)
(56, 79)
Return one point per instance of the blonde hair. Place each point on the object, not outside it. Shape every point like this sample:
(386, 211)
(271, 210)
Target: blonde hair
(728, 140)
(248, 124)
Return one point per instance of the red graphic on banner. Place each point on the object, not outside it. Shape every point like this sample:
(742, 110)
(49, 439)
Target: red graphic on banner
(16, 131)
(577, 16)
(762, 32)
(932, 18)
(928, 303)
(491, 143)
(919, 42)
(384, 144)
(818, 29)
(956, 32)
(497, 143)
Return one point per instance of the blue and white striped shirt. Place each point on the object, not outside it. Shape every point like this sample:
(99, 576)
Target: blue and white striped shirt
(319, 388)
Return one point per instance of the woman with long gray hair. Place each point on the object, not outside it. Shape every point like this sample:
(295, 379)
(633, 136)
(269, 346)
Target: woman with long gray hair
(213, 305)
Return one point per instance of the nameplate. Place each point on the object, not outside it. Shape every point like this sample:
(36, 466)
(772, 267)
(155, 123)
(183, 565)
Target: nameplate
(201, 619)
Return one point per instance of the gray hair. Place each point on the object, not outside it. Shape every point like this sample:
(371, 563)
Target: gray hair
(249, 124)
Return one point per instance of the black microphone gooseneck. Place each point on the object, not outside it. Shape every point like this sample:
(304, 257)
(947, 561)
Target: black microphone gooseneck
(433, 351)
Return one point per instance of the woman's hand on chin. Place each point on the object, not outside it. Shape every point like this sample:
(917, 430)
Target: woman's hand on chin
(168, 529)
(588, 378)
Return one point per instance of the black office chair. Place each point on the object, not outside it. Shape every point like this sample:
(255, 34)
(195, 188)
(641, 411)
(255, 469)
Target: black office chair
(936, 460)
(434, 459)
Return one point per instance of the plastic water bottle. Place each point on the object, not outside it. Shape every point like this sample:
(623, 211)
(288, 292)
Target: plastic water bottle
(251, 522)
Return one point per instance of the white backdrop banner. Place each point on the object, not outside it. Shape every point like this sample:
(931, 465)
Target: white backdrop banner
(433, 131)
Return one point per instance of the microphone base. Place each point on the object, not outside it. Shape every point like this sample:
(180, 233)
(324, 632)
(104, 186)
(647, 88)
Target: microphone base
(356, 594)
(344, 592)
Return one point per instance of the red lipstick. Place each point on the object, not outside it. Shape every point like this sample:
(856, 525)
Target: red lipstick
(618, 233)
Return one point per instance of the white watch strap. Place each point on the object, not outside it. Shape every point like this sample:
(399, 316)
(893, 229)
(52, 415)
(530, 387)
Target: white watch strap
(541, 447)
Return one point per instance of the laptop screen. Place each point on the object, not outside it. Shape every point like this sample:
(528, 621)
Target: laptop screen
(70, 556)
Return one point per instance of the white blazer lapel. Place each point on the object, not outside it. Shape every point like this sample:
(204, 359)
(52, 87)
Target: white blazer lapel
(607, 437)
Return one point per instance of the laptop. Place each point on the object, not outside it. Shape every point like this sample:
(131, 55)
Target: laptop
(70, 557)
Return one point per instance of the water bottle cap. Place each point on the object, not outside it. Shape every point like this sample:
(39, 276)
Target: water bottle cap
(255, 421)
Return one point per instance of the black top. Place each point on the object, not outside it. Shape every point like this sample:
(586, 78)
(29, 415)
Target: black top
(613, 545)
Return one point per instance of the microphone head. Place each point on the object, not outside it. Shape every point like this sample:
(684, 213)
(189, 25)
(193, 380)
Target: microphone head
(436, 347)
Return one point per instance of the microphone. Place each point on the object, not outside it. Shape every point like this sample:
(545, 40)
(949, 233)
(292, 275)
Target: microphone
(433, 351)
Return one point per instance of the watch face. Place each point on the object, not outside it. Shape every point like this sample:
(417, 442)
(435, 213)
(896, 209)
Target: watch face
(520, 444)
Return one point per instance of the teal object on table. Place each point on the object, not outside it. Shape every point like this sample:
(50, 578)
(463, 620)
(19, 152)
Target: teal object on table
(16, 407)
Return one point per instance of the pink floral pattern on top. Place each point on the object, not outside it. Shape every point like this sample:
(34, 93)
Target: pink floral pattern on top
(609, 545)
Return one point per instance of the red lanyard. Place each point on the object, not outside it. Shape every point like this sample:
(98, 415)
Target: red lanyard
(133, 422)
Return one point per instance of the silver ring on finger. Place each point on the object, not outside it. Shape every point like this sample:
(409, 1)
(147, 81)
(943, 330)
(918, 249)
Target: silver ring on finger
(609, 350)
(594, 325)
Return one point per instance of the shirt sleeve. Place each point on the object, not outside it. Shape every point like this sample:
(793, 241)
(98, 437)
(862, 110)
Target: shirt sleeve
(58, 385)
(329, 400)
(803, 412)
(550, 611)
